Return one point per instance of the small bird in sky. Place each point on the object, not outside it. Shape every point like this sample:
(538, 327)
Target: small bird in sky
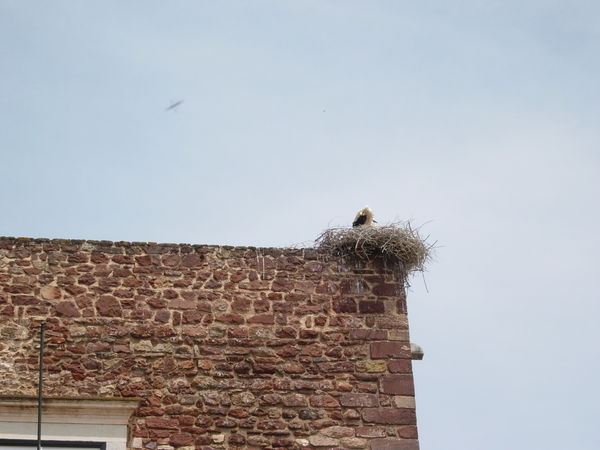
(174, 105)
(364, 217)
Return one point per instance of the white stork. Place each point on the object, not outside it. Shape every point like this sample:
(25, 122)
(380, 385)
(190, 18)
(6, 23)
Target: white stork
(364, 217)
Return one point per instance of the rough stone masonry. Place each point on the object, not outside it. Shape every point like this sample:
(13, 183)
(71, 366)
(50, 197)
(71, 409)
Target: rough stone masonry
(226, 347)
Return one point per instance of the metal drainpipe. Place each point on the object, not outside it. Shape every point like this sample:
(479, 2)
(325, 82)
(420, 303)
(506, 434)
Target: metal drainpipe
(40, 387)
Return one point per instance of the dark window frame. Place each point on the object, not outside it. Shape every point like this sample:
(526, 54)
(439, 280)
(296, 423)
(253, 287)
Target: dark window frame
(50, 444)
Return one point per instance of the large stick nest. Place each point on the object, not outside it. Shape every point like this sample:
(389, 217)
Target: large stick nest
(397, 245)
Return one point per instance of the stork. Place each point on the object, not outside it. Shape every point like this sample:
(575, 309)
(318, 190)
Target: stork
(364, 218)
(174, 105)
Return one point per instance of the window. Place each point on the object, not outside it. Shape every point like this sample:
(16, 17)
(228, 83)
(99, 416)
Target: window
(67, 423)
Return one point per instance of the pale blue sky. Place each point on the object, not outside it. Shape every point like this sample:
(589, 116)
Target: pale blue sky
(478, 119)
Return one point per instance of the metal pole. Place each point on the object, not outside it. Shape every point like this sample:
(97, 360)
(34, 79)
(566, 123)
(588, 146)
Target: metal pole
(40, 387)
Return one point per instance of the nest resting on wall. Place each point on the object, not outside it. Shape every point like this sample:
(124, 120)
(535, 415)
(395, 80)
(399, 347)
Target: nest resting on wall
(397, 245)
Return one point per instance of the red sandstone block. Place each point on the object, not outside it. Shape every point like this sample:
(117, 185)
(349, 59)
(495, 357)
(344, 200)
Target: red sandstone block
(390, 416)
(149, 411)
(359, 400)
(169, 260)
(312, 350)
(394, 444)
(287, 351)
(191, 317)
(170, 294)
(21, 300)
(121, 348)
(159, 434)
(67, 309)
(144, 260)
(390, 349)
(397, 384)
(108, 306)
(181, 439)
(161, 423)
(78, 258)
(236, 439)
(400, 366)
(282, 285)
(123, 293)
(323, 401)
(18, 289)
(230, 318)
(162, 316)
(371, 307)
(387, 290)
(408, 432)
(76, 290)
(368, 335)
(179, 303)
(293, 367)
(295, 400)
(7, 311)
(344, 305)
(226, 422)
(392, 322)
(371, 432)
(94, 347)
(241, 304)
(309, 334)
(121, 273)
(337, 367)
(99, 258)
(191, 261)
(267, 319)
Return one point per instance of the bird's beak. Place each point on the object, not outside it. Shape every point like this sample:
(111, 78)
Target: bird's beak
(374, 221)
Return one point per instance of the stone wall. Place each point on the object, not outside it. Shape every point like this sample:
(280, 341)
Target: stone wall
(226, 347)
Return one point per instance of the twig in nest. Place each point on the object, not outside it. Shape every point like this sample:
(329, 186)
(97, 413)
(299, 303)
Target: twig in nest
(398, 245)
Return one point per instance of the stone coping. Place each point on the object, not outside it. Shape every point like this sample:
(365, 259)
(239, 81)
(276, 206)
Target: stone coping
(98, 245)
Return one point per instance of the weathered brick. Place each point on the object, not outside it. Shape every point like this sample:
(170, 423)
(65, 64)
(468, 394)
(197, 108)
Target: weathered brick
(391, 416)
(231, 318)
(323, 401)
(108, 306)
(359, 400)
(310, 414)
(191, 261)
(371, 431)
(323, 441)
(337, 431)
(390, 349)
(21, 300)
(403, 401)
(397, 384)
(67, 309)
(295, 400)
(353, 442)
(267, 319)
(408, 432)
(371, 307)
(368, 334)
(159, 422)
(50, 292)
(181, 439)
(388, 290)
(293, 367)
(394, 444)
(400, 366)
(344, 305)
